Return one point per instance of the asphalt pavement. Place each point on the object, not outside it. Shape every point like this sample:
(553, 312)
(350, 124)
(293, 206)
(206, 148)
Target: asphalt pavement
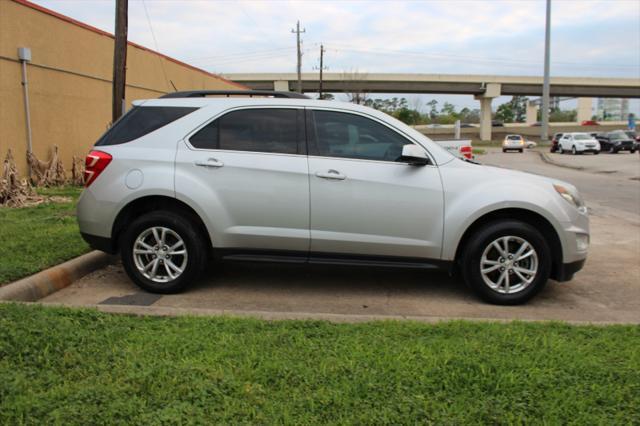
(607, 290)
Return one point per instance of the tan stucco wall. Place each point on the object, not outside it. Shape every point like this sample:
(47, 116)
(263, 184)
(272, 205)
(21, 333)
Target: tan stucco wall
(70, 82)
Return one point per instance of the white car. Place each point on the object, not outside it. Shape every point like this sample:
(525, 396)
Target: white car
(578, 143)
(187, 179)
(513, 143)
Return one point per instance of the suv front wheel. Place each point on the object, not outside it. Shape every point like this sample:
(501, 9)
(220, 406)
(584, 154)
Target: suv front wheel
(162, 252)
(506, 262)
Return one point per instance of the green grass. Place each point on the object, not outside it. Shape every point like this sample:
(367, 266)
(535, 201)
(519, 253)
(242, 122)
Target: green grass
(63, 366)
(34, 238)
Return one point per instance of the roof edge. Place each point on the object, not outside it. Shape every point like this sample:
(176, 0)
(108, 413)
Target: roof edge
(91, 28)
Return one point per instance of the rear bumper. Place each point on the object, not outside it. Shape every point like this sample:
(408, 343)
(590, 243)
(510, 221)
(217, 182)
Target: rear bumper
(565, 271)
(100, 243)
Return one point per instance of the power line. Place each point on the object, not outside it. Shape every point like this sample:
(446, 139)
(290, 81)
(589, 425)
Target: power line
(522, 62)
(241, 54)
(155, 43)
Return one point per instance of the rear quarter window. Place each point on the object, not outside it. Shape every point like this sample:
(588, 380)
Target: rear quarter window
(140, 121)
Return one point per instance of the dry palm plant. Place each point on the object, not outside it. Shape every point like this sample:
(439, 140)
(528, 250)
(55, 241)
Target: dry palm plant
(77, 171)
(14, 192)
(47, 173)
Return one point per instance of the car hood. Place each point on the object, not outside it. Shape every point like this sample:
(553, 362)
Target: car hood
(500, 173)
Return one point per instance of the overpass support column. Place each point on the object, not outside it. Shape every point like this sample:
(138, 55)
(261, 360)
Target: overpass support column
(584, 109)
(281, 85)
(532, 113)
(492, 90)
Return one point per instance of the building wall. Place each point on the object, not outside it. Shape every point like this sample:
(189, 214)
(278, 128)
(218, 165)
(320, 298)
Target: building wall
(70, 81)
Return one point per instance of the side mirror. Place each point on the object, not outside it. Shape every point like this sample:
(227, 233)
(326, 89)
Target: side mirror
(414, 155)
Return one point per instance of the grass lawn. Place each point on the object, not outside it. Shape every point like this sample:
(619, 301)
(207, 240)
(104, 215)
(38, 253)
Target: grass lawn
(34, 238)
(63, 366)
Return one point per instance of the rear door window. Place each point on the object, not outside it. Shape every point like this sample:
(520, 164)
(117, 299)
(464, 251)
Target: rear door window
(140, 121)
(272, 130)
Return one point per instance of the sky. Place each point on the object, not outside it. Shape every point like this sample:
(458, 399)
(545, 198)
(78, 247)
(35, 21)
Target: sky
(588, 37)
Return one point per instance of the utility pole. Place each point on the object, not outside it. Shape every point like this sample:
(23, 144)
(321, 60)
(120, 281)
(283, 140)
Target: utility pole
(322, 68)
(119, 59)
(297, 32)
(545, 86)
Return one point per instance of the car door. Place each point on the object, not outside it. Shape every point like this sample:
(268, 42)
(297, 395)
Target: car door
(364, 199)
(565, 142)
(247, 171)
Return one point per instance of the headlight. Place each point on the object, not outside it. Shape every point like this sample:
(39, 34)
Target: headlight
(571, 196)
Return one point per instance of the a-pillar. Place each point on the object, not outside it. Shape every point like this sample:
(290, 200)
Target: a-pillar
(532, 113)
(492, 90)
(584, 109)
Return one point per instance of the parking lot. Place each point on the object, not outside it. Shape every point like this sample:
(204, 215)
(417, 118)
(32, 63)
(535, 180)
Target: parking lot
(606, 290)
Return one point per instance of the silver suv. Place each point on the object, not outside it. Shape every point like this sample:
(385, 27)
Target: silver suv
(275, 176)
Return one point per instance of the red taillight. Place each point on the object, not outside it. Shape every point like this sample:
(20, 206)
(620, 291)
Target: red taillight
(94, 164)
(466, 151)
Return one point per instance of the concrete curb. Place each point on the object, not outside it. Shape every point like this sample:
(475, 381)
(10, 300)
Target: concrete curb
(50, 280)
(166, 311)
(544, 157)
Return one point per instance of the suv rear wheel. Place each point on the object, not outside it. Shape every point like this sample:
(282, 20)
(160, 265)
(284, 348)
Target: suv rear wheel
(506, 262)
(162, 252)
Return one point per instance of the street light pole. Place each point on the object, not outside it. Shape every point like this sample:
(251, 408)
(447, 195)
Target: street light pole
(545, 86)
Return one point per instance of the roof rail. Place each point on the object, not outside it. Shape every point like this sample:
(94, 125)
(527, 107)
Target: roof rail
(227, 93)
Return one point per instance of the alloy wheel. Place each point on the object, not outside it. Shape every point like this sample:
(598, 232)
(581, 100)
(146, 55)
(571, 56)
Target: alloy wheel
(509, 264)
(160, 254)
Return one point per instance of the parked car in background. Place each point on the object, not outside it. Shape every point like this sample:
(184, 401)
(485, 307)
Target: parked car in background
(497, 123)
(589, 123)
(554, 142)
(578, 143)
(635, 136)
(616, 141)
(536, 124)
(189, 179)
(513, 143)
(530, 144)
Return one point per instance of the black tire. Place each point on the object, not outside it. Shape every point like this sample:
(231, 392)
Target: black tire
(521, 151)
(196, 249)
(573, 150)
(596, 152)
(504, 150)
(475, 246)
(612, 150)
(633, 151)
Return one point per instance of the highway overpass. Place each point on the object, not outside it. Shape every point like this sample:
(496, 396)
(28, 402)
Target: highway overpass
(483, 87)
(588, 87)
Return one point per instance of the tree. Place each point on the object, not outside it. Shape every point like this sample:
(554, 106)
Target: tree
(448, 109)
(353, 87)
(514, 110)
(433, 112)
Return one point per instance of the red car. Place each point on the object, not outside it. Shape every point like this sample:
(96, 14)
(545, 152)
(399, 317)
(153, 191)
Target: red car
(589, 123)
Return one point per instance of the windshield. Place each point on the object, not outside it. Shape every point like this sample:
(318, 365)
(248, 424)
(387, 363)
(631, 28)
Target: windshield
(581, 137)
(618, 135)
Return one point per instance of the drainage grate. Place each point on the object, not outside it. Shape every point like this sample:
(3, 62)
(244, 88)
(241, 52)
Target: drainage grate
(136, 299)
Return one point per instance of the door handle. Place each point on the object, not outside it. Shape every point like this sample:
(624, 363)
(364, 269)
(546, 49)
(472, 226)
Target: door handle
(211, 162)
(331, 174)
